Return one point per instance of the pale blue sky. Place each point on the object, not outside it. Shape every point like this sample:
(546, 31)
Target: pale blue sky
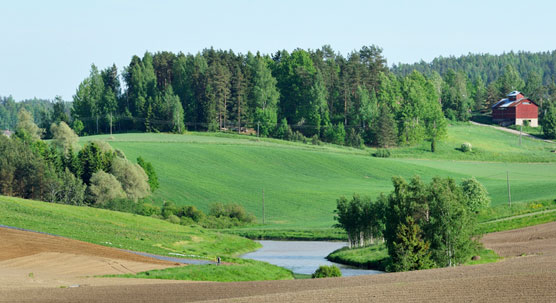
(47, 47)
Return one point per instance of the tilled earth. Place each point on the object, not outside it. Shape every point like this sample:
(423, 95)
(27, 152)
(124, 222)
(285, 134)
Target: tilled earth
(527, 274)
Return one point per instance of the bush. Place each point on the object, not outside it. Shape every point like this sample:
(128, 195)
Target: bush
(476, 194)
(315, 140)
(283, 130)
(147, 209)
(232, 211)
(298, 136)
(325, 271)
(382, 153)
(132, 177)
(354, 139)
(104, 187)
(466, 147)
(187, 221)
(173, 219)
(119, 204)
(190, 212)
(151, 174)
(169, 209)
(335, 134)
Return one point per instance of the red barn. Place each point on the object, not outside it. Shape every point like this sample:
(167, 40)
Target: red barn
(515, 109)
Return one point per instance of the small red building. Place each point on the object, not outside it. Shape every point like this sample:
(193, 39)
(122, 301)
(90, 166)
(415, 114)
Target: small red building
(515, 109)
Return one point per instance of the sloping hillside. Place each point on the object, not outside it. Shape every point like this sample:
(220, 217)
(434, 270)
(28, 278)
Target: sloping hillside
(301, 182)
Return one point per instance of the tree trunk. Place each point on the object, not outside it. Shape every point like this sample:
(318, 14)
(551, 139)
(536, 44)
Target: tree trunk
(238, 115)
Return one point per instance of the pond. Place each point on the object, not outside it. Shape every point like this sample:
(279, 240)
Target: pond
(303, 257)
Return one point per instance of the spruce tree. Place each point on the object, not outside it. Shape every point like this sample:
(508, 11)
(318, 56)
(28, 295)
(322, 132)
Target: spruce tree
(385, 128)
(548, 122)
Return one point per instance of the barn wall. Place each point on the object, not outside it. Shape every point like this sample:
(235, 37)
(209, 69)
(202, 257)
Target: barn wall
(527, 111)
(503, 113)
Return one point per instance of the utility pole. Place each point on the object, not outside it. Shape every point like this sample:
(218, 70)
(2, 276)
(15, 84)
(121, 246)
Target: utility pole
(257, 129)
(263, 206)
(110, 124)
(509, 192)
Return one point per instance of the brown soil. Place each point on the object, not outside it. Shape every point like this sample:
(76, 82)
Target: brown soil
(527, 274)
(29, 260)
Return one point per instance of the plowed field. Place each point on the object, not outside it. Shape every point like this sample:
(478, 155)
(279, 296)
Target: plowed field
(528, 273)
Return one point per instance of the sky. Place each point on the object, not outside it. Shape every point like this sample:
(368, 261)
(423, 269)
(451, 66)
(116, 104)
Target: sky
(47, 47)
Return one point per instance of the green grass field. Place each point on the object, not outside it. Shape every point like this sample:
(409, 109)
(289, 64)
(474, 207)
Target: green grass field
(120, 230)
(301, 182)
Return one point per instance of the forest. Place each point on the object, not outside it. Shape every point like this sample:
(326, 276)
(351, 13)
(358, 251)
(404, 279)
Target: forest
(320, 95)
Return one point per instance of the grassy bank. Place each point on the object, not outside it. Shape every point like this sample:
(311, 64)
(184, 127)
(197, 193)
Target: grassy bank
(322, 234)
(369, 257)
(233, 271)
(120, 230)
(516, 223)
(505, 210)
(376, 257)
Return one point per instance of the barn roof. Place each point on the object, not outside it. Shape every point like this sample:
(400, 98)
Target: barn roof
(506, 102)
(7, 133)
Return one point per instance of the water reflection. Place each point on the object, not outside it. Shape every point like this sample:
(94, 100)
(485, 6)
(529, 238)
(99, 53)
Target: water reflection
(303, 257)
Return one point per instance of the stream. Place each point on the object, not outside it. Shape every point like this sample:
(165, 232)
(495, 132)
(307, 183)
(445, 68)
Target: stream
(303, 257)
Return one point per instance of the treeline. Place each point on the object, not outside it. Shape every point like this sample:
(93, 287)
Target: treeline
(316, 94)
(59, 171)
(423, 225)
(488, 67)
(44, 112)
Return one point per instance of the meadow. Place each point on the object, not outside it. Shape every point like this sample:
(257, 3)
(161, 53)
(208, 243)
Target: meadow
(301, 182)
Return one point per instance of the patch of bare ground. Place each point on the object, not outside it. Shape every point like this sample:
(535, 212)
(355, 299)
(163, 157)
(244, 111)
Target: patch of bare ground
(29, 260)
(530, 278)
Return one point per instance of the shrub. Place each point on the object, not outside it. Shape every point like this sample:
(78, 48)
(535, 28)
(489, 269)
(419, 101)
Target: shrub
(120, 204)
(283, 130)
(133, 178)
(315, 140)
(151, 174)
(187, 221)
(354, 139)
(335, 134)
(298, 136)
(169, 209)
(104, 187)
(147, 209)
(476, 194)
(382, 153)
(325, 271)
(173, 219)
(190, 212)
(466, 147)
(232, 211)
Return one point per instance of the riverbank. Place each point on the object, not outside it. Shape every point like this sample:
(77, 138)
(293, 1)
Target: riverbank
(373, 257)
(323, 234)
